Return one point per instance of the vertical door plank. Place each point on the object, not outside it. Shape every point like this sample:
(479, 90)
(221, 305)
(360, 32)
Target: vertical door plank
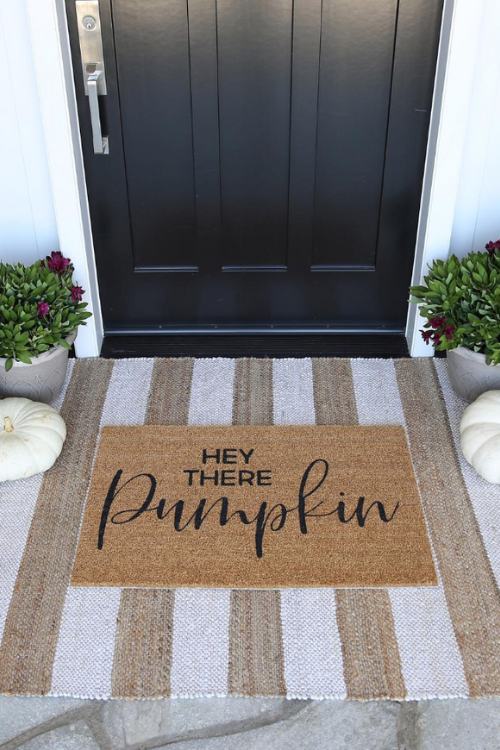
(202, 15)
(152, 52)
(254, 43)
(357, 43)
(303, 126)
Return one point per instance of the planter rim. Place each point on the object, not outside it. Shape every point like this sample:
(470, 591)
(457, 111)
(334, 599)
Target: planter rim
(462, 351)
(44, 356)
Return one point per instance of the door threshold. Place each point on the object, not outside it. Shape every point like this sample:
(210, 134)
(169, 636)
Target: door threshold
(278, 346)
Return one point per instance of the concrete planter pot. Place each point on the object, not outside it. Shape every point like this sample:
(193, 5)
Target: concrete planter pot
(42, 380)
(469, 374)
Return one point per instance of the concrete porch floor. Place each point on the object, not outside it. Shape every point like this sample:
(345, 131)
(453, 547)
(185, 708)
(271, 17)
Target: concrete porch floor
(248, 724)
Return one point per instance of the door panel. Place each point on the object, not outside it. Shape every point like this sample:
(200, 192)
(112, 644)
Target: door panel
(353, 107)
(265, 161)
(152, 53)
(254, 112)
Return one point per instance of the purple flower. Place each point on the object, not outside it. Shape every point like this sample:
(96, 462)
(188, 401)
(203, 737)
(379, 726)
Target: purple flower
(76, 293)
(426, 335)
(492, 246)
(42, 309)
(57, 262)
(448, 331)
(437, 322)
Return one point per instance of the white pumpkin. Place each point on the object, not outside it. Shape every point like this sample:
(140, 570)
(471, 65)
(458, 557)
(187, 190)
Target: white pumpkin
(480, 435)
(31, 437)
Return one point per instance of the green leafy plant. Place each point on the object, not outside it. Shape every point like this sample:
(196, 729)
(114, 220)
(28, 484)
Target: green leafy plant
(461, 300)
(40, 306)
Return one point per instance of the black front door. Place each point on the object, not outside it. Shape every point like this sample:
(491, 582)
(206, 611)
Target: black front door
(265, 164)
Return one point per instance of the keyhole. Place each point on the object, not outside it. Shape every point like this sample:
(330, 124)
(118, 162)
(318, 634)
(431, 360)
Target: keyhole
(89, 23)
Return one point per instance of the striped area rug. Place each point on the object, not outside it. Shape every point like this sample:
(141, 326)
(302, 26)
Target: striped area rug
(390, 643)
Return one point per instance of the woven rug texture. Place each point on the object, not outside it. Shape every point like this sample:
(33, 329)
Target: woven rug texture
(397, 643)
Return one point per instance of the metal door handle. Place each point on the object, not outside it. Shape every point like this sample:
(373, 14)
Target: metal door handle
(94, 74)
(100, 142)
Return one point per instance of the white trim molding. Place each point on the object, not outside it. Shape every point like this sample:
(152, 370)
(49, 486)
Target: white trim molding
(461, 37)
(54, 75)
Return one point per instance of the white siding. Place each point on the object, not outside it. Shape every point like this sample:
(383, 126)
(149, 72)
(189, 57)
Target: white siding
(27, 222)
(477, 210)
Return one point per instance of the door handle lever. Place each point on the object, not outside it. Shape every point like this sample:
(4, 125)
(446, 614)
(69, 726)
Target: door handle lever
(100, 142)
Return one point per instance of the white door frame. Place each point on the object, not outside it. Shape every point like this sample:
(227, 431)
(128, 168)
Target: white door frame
(460, 36)
(54, 74)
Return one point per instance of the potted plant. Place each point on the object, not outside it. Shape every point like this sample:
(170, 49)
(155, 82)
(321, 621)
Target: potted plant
(40, 310)
(461, 300)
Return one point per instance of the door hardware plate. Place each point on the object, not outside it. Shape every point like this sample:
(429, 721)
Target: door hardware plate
(89, 36)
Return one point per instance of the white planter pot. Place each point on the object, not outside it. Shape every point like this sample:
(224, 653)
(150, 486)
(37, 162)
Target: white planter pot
(42, 380)
(470, 375)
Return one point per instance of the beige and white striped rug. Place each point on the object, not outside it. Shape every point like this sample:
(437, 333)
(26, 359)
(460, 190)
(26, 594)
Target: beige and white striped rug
(397, 643)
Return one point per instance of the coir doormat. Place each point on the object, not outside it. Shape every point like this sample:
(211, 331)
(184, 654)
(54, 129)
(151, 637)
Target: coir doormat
(253, 507)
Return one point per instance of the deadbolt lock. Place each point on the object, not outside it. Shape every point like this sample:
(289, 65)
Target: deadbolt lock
(89, 23)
